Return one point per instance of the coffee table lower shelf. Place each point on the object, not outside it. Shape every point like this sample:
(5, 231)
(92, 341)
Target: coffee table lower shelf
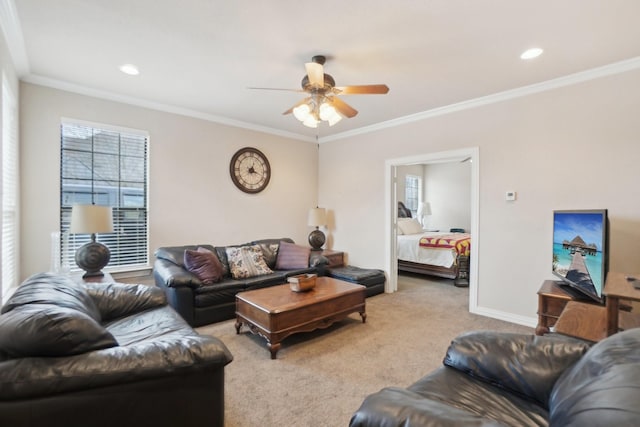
(277, 312)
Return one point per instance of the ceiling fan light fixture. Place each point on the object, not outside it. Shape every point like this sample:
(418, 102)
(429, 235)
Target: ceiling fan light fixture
(335, 118)
(326, 111)
(310, 122)
(302, 112)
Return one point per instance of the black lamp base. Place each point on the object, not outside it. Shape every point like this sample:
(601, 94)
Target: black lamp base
(317, 239)
(92, 258)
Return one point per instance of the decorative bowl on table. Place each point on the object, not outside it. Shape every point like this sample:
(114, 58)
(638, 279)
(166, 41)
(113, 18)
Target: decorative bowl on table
(302, 282)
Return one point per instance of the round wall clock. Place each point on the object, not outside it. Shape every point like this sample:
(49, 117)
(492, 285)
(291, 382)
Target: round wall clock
(250, 170)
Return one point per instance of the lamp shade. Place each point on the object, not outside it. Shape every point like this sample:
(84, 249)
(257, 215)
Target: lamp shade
(90, 219)
(424, 209)
(317, 217)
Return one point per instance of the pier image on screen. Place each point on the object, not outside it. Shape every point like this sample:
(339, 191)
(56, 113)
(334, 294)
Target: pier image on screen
(578, 249)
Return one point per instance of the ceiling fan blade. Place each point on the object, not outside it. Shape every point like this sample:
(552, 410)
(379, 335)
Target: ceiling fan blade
(343, 108)
(276, 88)
(290, 110)
(362, 90)
(315, 72)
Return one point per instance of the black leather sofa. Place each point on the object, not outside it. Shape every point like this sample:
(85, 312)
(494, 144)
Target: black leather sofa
(104, 355)
(200, 304)
(501, 379)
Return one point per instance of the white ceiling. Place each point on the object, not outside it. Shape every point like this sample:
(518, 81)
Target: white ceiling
(199, 57)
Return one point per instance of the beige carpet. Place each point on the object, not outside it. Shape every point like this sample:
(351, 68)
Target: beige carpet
(320, 378)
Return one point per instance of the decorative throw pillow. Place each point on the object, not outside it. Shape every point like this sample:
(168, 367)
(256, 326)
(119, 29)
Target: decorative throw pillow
(410, 227)
(246, 261)
(291, 256)
(204, 264)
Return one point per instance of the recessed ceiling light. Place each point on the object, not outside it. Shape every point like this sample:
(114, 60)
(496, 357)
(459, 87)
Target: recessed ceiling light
(531, 53)
(130, 69)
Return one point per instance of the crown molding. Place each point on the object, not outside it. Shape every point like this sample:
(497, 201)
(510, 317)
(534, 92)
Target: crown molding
(569, 80)
(13, 35)
(110, 96)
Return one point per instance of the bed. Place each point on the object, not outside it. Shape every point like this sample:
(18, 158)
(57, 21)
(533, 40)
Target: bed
(441, 254)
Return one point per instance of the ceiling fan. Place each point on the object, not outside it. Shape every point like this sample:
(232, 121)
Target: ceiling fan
(323, 104)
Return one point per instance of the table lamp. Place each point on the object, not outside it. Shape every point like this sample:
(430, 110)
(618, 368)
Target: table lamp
(317, 218)
(92, 257)
(424, 209)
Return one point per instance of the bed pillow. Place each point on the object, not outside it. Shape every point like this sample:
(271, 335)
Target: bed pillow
(292, 256)
(410, 227)
(246, 261)
(204, 264)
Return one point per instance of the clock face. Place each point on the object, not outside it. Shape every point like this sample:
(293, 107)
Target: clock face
(250, 170)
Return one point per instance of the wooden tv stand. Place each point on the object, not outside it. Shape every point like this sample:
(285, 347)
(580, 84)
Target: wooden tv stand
(552, 300)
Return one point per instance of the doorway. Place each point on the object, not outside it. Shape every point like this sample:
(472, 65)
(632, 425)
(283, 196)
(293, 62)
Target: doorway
(391, 203)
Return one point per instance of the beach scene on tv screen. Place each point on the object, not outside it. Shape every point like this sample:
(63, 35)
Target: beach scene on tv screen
(577, 249)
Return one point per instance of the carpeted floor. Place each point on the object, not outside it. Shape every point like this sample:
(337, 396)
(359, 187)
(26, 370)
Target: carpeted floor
(320, 378)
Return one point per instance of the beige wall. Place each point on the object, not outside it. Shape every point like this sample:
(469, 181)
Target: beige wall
(448, 190)
(192, 198)
(568, 148)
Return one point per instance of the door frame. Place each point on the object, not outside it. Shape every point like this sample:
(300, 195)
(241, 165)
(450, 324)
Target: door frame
(391, 212)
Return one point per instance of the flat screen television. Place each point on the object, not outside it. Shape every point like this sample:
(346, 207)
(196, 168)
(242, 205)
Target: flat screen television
(581, 250)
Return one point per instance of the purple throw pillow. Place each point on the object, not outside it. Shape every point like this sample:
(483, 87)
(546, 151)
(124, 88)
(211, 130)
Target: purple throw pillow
(292, 256)
(204, 264)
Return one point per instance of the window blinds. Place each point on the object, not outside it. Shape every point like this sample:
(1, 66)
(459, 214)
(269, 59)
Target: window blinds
(105, 167)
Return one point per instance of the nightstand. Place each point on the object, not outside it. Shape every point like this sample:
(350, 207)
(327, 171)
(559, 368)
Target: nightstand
(336, 258)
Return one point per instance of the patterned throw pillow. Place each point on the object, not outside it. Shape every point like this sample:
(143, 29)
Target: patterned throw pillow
(246, 261)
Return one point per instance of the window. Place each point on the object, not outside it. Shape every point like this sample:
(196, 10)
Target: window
(10, 185)
(105, 167)
(412, 193)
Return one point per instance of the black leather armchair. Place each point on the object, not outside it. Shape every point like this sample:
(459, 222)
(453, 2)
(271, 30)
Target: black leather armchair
(501, 379)
(104, 355)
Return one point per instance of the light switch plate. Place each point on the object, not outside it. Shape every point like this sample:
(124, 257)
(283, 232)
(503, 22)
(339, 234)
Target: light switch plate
(510, 196)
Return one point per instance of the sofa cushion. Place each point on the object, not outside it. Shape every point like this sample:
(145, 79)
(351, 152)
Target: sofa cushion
(527, 365)
(48, 330)
(292, 256)
(246, 261)
(50, 288)
(204, 264)
(118, 299)
(603, 388)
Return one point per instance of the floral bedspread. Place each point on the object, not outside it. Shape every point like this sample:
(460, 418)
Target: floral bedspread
(460, 242)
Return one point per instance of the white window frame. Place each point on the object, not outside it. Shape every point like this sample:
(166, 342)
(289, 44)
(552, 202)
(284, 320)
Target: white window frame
(128, 196)
(412, 192)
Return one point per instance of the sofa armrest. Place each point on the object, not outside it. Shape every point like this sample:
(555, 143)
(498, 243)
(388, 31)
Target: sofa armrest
(394, 406)
(117, 299)
(170, 275)
(166, 356)
(524, 364)
(318, 261)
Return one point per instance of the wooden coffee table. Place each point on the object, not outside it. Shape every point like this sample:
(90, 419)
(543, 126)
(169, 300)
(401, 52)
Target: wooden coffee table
(277, 312)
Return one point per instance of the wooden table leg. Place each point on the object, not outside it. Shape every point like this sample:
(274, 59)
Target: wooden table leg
(273, 348)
